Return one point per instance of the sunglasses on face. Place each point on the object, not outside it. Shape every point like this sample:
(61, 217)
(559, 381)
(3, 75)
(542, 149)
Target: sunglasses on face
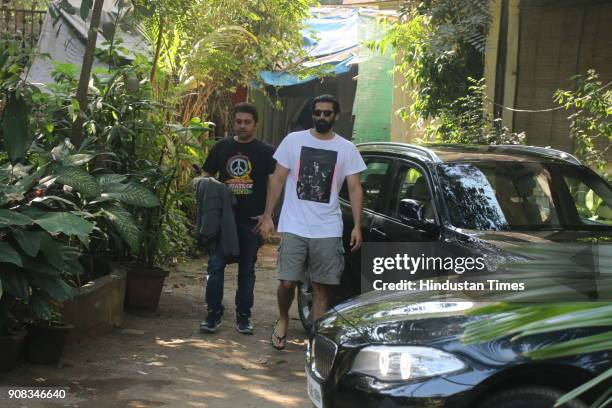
(326, 113)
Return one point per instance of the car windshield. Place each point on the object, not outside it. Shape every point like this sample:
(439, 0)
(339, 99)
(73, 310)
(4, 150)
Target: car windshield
(525, 196)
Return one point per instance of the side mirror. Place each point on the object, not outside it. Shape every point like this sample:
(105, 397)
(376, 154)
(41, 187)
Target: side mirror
(411, 211)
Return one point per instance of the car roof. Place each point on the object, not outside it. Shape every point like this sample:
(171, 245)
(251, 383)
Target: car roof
(452, 153)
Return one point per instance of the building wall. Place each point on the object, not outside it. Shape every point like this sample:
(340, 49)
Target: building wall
(374, 96)
(557, 42)
(547, 42)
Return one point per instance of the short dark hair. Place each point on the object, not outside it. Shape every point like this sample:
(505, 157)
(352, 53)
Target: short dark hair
(326, 98)
(246, 107)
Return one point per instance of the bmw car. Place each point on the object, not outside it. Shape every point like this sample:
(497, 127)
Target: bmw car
(398, 350)
(390, 351)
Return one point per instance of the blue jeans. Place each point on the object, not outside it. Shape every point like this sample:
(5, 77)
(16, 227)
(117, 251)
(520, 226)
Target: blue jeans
(249, 245)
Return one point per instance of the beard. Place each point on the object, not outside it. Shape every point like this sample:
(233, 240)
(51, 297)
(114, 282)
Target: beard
(323, 126)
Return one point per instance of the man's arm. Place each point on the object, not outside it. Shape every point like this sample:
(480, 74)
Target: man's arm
(210, 164)
(356, 198)
(276, 181)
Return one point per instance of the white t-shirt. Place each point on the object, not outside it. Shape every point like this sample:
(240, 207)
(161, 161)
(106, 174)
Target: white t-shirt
(317, 169)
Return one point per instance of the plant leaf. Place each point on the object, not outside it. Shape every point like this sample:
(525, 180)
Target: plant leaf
(110, 182)
(77, 159)
(39, 266)
(9, 255)
(55, 287)
(40, 307)
(15, 128)
(15, 283)
(65, 223)
(53, 252)
(26, 182)
(85, 8)
(584, 345)
(80, 180)
(123, 221)
(29, 241)
(9, 217)
(134, 194)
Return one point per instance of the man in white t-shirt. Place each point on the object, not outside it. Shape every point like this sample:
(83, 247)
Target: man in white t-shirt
(312, 166)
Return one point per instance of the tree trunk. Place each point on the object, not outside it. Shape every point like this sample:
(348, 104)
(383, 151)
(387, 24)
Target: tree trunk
(88, 59)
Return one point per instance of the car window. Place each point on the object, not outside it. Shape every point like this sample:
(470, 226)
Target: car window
(590, 201)
(412, 185)
(524, 199)
(524, 196)
(373, 179)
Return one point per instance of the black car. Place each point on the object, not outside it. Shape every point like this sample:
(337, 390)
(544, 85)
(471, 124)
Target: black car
(396, 350)
(470, 199)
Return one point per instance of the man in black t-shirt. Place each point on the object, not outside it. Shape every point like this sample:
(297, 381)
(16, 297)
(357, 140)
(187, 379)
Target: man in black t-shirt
(243, 163)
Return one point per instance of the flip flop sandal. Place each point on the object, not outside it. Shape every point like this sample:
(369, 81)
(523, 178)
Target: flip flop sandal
(280, 340)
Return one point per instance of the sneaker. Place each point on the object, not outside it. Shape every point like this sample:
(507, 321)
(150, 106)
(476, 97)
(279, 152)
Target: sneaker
(243, 325)
(212, 322)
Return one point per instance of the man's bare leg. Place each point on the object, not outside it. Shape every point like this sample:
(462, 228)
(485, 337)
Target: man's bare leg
(321, 298)
(285, 294)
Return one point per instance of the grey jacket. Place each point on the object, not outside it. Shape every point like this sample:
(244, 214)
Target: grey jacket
(215, 222)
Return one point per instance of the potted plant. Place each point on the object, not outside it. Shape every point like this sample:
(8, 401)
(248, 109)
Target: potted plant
(145, 276)
(145, 279)
(46, 339)
(12, 334)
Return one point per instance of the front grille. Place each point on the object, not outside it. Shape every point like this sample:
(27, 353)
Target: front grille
(324, 351)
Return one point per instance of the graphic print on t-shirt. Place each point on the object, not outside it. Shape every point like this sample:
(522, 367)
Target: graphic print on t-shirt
(316, 174)
(239, 169)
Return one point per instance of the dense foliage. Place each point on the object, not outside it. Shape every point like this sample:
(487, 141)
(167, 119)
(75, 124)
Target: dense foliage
(591, 119)
(465, 121)
(440, 45)
(208, 49)
(121, 187)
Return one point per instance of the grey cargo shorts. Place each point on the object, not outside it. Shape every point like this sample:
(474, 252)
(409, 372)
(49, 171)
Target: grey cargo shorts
(322, 258)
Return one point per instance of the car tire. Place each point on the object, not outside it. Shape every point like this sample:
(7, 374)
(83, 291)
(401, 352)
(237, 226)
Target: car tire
(304, 301)
(528, 397)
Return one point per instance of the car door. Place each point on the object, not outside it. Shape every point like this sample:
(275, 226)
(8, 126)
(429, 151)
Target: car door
(374, 181)
(410, 181)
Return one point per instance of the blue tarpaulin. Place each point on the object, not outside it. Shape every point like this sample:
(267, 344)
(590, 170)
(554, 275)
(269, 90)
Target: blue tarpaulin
(332, 37)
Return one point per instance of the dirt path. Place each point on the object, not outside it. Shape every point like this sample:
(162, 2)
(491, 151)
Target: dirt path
(163, 361)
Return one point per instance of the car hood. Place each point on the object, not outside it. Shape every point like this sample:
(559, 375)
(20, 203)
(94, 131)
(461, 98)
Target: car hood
(402, 318)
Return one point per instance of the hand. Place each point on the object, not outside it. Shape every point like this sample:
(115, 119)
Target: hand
(356, 239)
(265, 226)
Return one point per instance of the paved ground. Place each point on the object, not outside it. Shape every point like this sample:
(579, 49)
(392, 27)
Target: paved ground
(163, 361)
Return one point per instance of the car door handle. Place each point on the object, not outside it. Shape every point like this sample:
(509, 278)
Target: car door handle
(379, 232)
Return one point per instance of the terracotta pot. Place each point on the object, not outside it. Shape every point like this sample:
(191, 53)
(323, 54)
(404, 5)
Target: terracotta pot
(45, 342)
(12, 350)
(144, 287)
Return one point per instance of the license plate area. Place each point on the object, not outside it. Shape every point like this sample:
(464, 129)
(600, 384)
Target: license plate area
(315, 392)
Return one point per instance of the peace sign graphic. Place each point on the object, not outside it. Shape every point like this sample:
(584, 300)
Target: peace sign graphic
(238, 166)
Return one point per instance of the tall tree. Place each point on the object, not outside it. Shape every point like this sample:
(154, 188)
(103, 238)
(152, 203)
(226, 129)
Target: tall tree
(88, 59)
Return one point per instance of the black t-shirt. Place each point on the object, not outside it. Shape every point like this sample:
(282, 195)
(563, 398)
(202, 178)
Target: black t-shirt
(244, 168)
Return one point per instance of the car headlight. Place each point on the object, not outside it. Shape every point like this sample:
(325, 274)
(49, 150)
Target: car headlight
(392, 363)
